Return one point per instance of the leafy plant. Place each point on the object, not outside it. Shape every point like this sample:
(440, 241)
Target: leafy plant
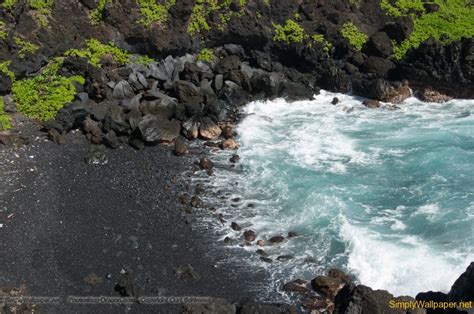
(356, 38)
(97, 14)
(9, 4)
(206, 55)
(203, 10)
(26, 47)
(3, 30)
(4, 69)
(290, 32)
(40, 97)
(452, 21)
(153, 12)
(95, 51)
(319, 39)
(5, 123)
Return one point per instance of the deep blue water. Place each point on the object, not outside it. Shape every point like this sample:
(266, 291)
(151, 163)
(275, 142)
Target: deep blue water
(387, 195)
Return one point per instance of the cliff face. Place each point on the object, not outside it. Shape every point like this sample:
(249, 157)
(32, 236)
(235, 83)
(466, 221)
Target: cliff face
(344, 45)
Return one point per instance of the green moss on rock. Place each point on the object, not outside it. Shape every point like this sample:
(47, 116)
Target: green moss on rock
(95, 51)
(4, 69)
(204, 10)
(153, 12)
(3, 30)
(97, 14)
(40, 97)
(356, 38)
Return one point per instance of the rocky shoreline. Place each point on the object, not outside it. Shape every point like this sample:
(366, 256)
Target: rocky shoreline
(159, 108)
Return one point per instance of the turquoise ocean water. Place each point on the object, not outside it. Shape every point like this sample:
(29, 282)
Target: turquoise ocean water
(387, 195)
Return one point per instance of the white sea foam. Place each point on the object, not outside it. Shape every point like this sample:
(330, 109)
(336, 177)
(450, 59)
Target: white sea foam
(347, 177)
(403, 268)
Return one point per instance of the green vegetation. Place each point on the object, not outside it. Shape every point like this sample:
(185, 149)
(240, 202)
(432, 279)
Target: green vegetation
(355, 37)
(26, 47)
(5, 123)
(42, 96)
(95, 51)
(3, 30)
(290, 32)
(153, 12)
(98, 13)
(9, 4)
(4, 69)
(266, 2)
(203, 10)
(206, 55)
(453, 21)
(319, 39)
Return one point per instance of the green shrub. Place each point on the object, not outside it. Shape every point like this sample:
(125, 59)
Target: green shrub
(5, 123)
(26, 47)
(290, 32)
(206, 55)
(9, 4)
(95, 50)
(319, 39)
(153, 12)
(3, 30)
(97, 14)
(4, 69)
(453, 21)
(203, 10)
(40, 97)
(356, 38)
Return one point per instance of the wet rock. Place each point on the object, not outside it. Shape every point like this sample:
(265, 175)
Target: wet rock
(56, 137)
(205, 163)
(317, 304)
(228, 132)
(463, 287)
(429, 94)
(292, 234)
(266, 259)
(235, 226)
(154, 130)
(191, 129)
(298, 285)
(327, 286)
(229, 144)
(234, 159)
(261, 242)
(209, 130)
(284, 258)
(276, 239)
(261, 252)
(249, 235)
(196, 201)
(187, 273)
(335, 101)
(180, 148)
(371, 103)
(362, 299)
(339, 274)
(190, 95)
